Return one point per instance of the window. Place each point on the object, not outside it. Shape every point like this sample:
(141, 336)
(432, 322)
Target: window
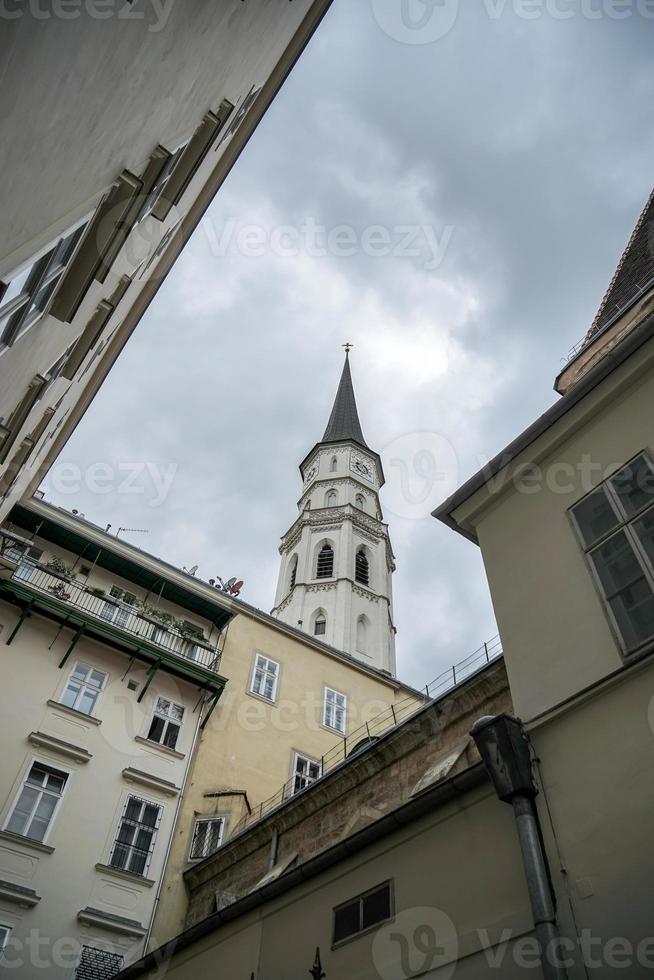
(83, 688)
(207, 837)
(360, 502)
(331, 499)
(118, 612)
(5, 933)
(361, 567)
(293, 572)
(25, 297)
(264, 677)
(616, 526)
(320, 625)
(325, 565)
(98, 964)
(333, 466)
(362, 913)
(334, 711)
(305, 772)
(166, 723)
(164, 176)
(37, 802)
(136, 835)
(28, 558)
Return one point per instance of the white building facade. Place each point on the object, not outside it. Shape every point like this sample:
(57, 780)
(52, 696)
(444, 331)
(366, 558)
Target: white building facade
(110, 668)
(335, 578)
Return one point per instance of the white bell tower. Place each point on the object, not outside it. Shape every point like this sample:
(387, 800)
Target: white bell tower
(337, 561)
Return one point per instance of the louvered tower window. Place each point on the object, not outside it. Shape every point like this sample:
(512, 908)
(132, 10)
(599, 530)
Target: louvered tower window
(325, 562)
(362, 569)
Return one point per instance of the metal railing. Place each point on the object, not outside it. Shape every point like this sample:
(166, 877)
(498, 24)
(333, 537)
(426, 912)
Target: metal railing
(372, 730)
(120, 615)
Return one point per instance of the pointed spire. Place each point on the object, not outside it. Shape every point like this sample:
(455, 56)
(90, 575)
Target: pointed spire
(344, 420)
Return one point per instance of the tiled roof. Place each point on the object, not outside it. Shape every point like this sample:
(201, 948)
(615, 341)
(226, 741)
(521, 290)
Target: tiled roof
(635, 270)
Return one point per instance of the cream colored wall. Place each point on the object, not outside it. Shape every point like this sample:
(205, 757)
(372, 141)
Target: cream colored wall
(84, 827)
(249, 744)
(456, 871)
(555, 631)
(596, 763)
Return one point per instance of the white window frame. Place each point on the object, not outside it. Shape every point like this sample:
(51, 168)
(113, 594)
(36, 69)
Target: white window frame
(155, 832)
(309, 780)
(57, 768)
(215, 818)
(83, 687)
(253, 675)
(327, 704)
(158, 712)
(624, 522)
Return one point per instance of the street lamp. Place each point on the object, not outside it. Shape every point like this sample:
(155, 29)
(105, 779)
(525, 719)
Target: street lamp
(504, 750)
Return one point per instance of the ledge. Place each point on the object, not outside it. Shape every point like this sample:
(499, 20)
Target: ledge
(106, 869)
(34, 845)
(113, 923)
(18, 894)
(74, 713)
(160, 748)
(153, 782)
(66, 749)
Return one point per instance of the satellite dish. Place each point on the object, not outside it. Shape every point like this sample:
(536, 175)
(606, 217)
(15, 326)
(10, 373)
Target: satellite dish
(193, 570)
(235, 587)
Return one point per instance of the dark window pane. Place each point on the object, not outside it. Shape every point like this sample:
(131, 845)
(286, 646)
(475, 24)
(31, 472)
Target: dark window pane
(377, 906)
(616, 564)
(156, 729)
(98, 964)
(633, 609)
(347, 920)
(634, 485)
(150, 815)
(171, 736)
(644, 528)
(595, 516)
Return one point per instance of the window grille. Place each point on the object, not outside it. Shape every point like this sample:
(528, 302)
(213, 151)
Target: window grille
(98, 964)
(137, 831)
(207, 837)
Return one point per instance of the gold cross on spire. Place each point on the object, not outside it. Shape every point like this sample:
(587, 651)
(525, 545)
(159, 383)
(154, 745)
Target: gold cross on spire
(347, 347)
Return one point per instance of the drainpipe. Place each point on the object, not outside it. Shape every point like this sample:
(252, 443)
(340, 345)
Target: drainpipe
(504, 749)
(180, 800)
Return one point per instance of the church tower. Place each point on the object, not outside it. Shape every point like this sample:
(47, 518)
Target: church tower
(337, 561)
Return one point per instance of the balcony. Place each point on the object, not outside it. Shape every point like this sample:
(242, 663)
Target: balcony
(144, 629)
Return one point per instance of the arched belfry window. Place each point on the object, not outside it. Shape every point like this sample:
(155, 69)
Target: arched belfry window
(333, 466)
(325, 567)
(293, 574)
(320, 624)
(360, 501)
(361, 567)
(362, 635)
(331, 499)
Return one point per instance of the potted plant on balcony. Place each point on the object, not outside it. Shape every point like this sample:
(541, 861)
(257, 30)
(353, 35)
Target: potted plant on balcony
(57, 566)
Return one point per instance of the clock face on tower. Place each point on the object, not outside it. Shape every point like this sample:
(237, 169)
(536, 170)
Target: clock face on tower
(362, 466)
(309, 475)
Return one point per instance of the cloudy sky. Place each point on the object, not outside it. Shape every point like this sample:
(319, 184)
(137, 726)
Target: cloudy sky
(487, 178)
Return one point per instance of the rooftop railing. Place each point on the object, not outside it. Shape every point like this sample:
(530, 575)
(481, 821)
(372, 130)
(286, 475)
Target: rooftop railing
(363, 736)
(110, 611)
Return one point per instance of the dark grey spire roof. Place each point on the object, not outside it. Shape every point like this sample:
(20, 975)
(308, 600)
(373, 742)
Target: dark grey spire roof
(344, 420)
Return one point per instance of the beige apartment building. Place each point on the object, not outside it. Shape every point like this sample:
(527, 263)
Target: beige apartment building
(108, 166)
(114, 679)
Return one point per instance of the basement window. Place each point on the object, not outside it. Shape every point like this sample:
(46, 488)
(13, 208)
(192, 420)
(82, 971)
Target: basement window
(366, 911)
